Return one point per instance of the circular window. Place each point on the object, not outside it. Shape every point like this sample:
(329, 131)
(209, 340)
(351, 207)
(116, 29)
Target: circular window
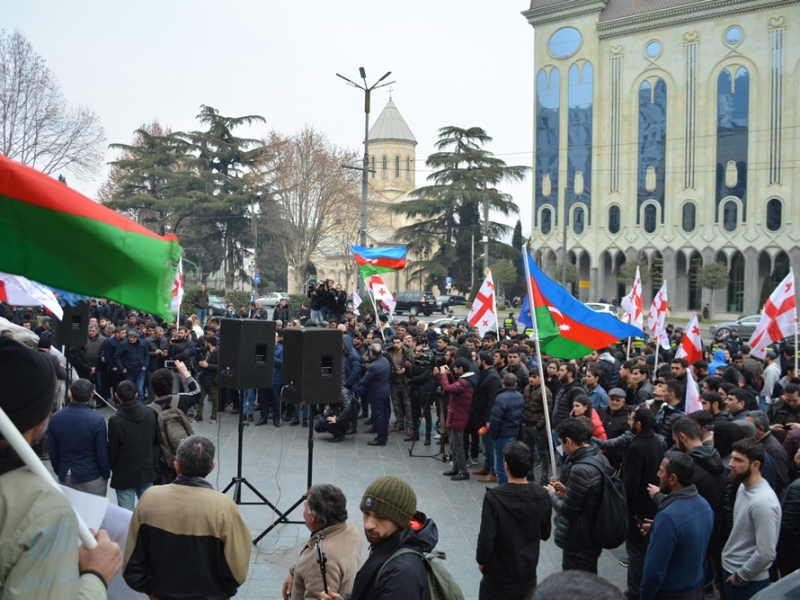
(565, 42)
(733, 35)
(652, 49)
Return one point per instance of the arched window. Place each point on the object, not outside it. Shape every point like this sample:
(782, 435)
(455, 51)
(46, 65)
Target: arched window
(578, 220)
(736, 283)
(650, 218)
(689, 217)
(385, 167)
(373, 167)
(774, 214)
(547, 221)
(652, 144)
(579, 135)
(548, 114)
(397, 166)
(781, 269)
(613, 219)
(733, 120)
(408, 168)
(730, 216)
(695, 289)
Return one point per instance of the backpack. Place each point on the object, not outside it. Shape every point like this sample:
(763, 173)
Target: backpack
(441, 584)
(612, 516)
(173, 428)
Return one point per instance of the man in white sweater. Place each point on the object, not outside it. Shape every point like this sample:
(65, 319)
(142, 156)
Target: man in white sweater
(750, 549)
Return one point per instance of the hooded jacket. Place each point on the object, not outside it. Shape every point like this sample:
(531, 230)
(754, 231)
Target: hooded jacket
(642, 462)
(563, 401)
(507, 413)
(515, 518)
(351, 365)
(665, 419)
(461, 391)
(710, 480)
(403, 577)
(489, 385)
(611, 366)
(131, 438)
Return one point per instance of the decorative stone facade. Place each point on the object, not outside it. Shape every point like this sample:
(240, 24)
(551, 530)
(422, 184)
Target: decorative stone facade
(668, 131)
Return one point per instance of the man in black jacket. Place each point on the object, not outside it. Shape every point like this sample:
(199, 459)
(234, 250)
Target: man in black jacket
(131, 441)
(671, 410)
(642, 462)
(282, 313)
(576, 497)
(570, 388)
(640, 377)
(515, 518)
(392, 523)
(615, 422)
(482, 402)
(209, 379)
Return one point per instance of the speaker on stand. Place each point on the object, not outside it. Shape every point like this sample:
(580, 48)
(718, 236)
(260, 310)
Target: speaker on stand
(246, 360)
(312, 374)
(71, 330)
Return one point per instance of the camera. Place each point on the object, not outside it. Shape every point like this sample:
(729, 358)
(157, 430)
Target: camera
(170, 364)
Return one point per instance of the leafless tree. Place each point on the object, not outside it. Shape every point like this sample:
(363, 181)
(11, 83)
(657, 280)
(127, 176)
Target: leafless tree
(310, 193)
(37, 126)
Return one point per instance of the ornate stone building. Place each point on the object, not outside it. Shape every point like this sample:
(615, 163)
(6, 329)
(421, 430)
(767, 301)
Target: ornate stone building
(392, 149)
(666, 131)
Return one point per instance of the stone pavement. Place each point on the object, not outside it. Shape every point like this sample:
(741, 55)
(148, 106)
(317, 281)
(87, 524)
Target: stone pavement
(275, 460)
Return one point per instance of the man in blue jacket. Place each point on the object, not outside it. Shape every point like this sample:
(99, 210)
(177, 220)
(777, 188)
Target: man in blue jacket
(673, 565)
(132, 356)
(375, 384)
(504, 422)
(77, 443)
(351, 374)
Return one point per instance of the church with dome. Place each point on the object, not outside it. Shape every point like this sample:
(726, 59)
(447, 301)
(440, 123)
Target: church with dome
(392, 156)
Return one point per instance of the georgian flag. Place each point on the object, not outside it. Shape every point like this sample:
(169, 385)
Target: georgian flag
(779, 319)
(632, 303)
(381, 293)
(691, 348)
(177, 289)
(356, 299)
(656, 316)
(483, 313)
(21, 291)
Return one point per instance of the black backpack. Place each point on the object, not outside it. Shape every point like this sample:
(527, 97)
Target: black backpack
(612, 516)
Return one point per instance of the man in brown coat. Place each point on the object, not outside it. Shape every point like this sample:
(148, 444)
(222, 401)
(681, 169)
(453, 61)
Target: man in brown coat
(534, 432)
(325, 514)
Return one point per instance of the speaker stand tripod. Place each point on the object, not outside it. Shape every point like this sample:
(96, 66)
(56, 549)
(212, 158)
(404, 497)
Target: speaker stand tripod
(441, 451)
(239, 481)
(282, 515)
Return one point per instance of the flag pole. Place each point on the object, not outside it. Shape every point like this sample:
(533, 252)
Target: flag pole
(628, 351)
(374, 306)
(497, 316)
(550, 444)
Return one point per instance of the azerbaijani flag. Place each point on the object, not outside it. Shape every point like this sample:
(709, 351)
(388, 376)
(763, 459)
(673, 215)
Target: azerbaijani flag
(567, 328)
(372, 261)
(54, 235)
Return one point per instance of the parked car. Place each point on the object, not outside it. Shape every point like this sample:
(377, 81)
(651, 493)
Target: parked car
(443, 303)
(602, 307)
(746, 326)
(271, 300)
(415, 303)
(216, 306)
(443, 322)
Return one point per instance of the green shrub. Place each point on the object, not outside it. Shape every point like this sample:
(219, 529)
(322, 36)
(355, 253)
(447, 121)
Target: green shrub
(238, 298)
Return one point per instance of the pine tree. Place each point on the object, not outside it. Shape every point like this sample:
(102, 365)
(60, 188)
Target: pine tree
(448, 212)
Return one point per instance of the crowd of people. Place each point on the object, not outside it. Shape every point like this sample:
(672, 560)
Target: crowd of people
(712, 497)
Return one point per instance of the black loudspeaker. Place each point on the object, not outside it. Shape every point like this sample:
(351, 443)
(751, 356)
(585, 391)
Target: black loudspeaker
(312, 366)
(246, 353)
(73, 328)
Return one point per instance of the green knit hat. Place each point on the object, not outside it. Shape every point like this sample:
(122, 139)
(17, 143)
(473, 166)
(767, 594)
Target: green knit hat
(392, 498)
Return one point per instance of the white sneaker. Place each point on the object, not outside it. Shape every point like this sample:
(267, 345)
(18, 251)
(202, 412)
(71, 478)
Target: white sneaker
(438, 436)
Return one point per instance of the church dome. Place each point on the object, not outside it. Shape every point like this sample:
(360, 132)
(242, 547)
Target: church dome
(391, 126)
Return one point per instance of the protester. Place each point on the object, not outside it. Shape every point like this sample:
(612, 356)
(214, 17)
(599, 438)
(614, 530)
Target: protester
(515, 519)
(375, 386)
(460, 385)
(576, 585)
(77, 443)
(534, 431)
(33, 515)
(187, 540)
(489, 384)
(325, 514)
(505, 421)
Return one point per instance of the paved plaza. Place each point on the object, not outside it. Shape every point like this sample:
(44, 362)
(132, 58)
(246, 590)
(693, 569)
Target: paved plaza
(275, 459)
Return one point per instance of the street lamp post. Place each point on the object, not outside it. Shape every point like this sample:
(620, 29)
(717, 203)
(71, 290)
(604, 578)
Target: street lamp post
(365, 167)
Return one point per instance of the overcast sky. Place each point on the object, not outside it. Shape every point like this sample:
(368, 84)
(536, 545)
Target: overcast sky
(456, 62)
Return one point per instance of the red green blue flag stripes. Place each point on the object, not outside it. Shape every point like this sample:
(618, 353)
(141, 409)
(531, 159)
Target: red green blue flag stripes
(373, 261)
(52, 234)
(567, 328)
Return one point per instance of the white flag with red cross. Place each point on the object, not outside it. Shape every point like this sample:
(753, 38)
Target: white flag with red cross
(381, 293)
(632, 303)
(177, 289)
(779, 319)
(692, 394)
(483, 313)
(657, 315)
(691, 348)
(356, 298)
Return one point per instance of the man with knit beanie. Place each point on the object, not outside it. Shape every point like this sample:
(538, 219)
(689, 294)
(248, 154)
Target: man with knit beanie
(391, 522)
(38, 529)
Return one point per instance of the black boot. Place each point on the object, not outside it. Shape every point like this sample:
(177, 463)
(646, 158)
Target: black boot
(427, 439)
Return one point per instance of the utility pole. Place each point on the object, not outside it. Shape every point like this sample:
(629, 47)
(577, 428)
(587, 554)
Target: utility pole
(365, 168)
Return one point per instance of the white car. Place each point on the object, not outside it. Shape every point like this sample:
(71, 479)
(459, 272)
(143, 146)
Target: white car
(601, 307)
(271, 300)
